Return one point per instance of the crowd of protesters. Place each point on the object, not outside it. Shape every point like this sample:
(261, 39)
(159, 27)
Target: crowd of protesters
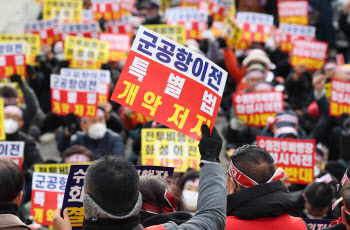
(254, 195)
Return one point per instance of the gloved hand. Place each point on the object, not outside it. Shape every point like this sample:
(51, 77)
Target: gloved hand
(71, 123)
(17, 78)
(222, 43)
(210, 145)
(63, 64)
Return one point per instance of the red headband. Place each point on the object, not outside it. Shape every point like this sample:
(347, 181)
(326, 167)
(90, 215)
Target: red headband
(247, 182)
(152, 208)
(345, 178)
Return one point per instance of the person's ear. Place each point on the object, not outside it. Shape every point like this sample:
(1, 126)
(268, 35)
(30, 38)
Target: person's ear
(304, 196)
(343, 216)
(20, 124)
(18, 199)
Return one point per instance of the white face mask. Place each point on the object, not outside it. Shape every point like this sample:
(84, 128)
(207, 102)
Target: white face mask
(308, 215)
(97, 131)
(10, 126)
(190, 198)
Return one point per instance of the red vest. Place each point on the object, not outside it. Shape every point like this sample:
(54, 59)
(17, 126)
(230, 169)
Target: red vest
(284, 222)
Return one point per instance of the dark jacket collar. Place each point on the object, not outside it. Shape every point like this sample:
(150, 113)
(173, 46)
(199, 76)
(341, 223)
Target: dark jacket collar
(260, 201)
(8, 209)
(131, 223)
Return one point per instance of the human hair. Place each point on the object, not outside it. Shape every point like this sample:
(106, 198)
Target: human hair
(319, 195)
(153, 189)
(345, 194)
(8, 91)
(254, 162)
(11, 181)
(113, 183)
(190, 175)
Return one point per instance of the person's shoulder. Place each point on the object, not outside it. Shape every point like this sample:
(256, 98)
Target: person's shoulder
(113, 134)
(339, 226)
(9, 221)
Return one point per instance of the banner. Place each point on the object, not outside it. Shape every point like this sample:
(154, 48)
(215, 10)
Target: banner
(161, 172)
(295, 12)
(189, 3)
(119, 45)
(12, 150)
(47, 196)
(233, 32)
(107, 10)
(316, 224)
(31, 42)
(166, 147)
(64, 10)
(85, 53)
(176, 33)
(170, 83)
(87, 15)
(288, 33)
(2, 131)
(12, 59)
(220, 9)
(122, 26)
(340, 98)
(311, 53)
(74, 195)
(62, 168)
(70, 94)
(103, 78)
(296, 157)
(47, 30)
(79, 29)
(254, 108)
(256, 28)
(194, 21)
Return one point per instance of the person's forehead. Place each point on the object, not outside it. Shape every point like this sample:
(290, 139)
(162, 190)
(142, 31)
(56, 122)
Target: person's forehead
(12, 114)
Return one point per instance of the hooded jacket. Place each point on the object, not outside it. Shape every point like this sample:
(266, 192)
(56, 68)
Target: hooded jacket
(263, 206)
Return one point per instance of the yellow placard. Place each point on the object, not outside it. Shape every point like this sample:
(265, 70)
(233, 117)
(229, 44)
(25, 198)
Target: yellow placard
(2, 131)
(167, 147)
(64, 10)
(176, 33)
(56, 168)
(233, 32)
(165, 4)
(32, 44)
(86, 53)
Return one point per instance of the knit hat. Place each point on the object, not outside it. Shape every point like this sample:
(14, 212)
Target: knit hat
(257, 56)
(286, 118)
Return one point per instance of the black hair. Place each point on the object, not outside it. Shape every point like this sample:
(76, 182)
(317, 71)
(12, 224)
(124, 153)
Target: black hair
(189, 175)
(319, 195)
(8, 91)
(11, 181)
(113, 183)
(254, 162)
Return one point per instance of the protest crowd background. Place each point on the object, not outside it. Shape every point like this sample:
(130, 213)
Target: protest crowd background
(130, 85)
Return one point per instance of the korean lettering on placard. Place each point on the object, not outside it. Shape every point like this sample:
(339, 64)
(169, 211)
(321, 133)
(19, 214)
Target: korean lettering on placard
(108, 10)
(295, 12)
(194, 21)
(254, 108)
(311, 53)
(296, 157)
(2, 131)
(175, 32)
(103, 78)
(166, 147)
(159, 171)
(86, 53)
(340, 98)
(288, 33)
(47, 30)
(64, 10)
(317, 224)
(47, 195)
(220, 9)
(56, 168)
(256, 28)
(74, 195)
(76, 94)
(31, 42)
(170, 83)
(79, 29)
(119, 45)
(12, 150)
(232, 32)
(121, 26)
(12, 59)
